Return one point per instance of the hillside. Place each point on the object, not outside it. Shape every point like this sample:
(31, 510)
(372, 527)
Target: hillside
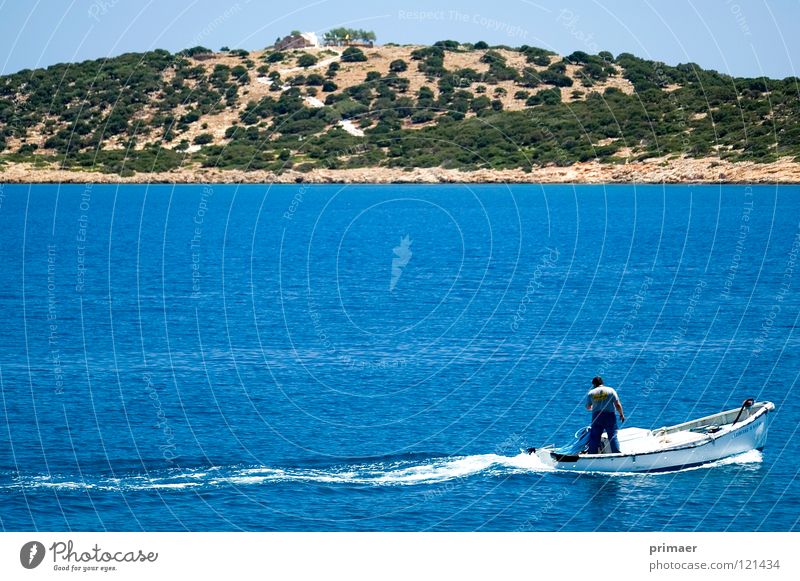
(448, 112)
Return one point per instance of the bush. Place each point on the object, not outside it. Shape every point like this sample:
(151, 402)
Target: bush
(447, 44)
(275, 57)
(551, 77)
(239, 73)
(398, 66)
(306, 60)
(491, 57)
(353, 55)
(480, 45)
(196, 50)
(546, 97)
(537, 56)
(480, 103)
(422, 116)
(540, 60)
(398, 83)
(203, 139)
(329, 86)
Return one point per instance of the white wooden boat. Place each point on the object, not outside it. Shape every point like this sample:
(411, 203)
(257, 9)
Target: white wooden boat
(669, 448)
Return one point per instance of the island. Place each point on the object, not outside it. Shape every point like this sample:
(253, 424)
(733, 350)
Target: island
(343, 109)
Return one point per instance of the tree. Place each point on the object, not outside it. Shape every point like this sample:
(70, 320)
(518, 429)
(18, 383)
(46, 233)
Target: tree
(341, 35)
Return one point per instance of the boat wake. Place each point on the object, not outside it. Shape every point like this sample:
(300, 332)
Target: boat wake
(428, 471)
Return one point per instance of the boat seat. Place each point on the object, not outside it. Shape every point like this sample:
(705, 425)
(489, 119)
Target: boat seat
(639, 440)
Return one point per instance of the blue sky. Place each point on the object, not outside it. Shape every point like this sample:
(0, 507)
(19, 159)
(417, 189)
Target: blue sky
(739, 37)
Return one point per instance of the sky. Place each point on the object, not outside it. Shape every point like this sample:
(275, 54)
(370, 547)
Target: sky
(737, 37)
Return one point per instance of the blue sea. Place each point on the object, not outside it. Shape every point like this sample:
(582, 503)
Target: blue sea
(374, 358)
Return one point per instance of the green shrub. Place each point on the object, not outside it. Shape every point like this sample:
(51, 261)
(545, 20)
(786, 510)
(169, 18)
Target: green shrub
(398, 66)
(353, 55)
(447, 44)
(306, 60)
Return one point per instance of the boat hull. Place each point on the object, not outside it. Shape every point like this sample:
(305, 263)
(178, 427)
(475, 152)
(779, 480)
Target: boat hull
(749, 435)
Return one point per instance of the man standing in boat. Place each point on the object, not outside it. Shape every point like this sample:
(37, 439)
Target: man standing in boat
(602, 400)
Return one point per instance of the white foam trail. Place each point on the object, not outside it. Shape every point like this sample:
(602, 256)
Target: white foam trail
(391, 474)
(398, 473)
(525, 462)
(749, 457)
(178, 485)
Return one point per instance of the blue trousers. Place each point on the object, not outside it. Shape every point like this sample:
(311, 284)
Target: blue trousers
(603, 422)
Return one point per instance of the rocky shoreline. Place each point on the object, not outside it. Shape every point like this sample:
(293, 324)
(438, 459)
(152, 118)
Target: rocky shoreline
(673, 171)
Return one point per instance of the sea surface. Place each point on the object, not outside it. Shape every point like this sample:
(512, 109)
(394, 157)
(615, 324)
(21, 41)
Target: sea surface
(373, 358)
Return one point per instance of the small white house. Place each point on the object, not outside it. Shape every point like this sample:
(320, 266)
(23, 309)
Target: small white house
(311, 39)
